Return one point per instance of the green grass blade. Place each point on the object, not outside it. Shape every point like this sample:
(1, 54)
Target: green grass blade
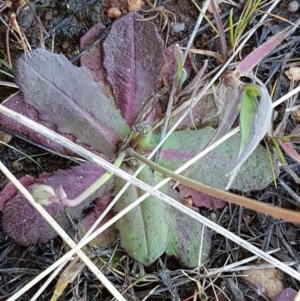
(271, 162)
(231, 34)
(278, 150)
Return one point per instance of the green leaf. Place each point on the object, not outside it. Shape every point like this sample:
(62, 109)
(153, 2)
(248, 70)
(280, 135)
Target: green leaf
(144, 229)
(188, 239)
(181, 146)
(248, 112)
(180, 74)
(247, 119)
(153, 227)
(255, 125)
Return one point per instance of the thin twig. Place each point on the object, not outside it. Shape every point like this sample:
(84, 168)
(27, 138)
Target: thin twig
(290, 191)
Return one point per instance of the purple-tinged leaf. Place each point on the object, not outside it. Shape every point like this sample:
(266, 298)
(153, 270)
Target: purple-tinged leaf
(257, 55)
(18, 105)
(187, 238)
(26, 226)
(144, 229)
(220, 27)
(68, 97)
(133, 59)
(153, 227)
(201, 199)
(93, 59)
(107, 237)
(287, 294)
(181, 146)
(290, 150)
(10, 190)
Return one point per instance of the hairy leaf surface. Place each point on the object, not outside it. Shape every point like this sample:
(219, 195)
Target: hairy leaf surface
(26, 226)
(92, 59)
(153, 227)
(17, 104)
(133, 59)
(10, 190)
(183, 145)
(188, 239)
(144, 229)
(68, 97)
(201, 199)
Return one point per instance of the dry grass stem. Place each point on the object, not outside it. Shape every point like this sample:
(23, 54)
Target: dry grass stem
(286, 96)
(220, 72)
(8, 84)
(173, 91)
(61, 233)
(90, 235)
(150, 190)
(48, 281)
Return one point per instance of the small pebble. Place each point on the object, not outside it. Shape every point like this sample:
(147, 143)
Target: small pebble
(4, 137)
(209, 9)
(297, 116)
(178, 27)
(134, 5)
(213, 217)
(293, 6)
(293, 73)
(113, 13)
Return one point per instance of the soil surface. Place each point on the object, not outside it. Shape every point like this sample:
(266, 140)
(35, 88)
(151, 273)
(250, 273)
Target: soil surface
(63, 24)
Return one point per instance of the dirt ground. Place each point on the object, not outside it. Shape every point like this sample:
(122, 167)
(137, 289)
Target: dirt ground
(64, 23)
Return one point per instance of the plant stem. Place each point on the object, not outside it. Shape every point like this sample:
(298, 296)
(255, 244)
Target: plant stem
(173, 91)
(95, 186)
(263, 208)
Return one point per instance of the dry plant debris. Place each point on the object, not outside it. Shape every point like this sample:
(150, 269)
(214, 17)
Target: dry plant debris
(137, 128)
